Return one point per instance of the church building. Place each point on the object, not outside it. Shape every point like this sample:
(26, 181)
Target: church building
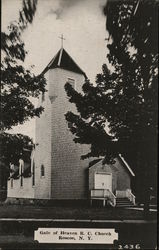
(56, 171)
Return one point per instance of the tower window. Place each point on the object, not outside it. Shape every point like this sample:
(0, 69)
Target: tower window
(43, 97)
(42, 171)
(71, 82)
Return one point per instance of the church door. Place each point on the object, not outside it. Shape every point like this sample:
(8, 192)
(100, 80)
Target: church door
(103, 181)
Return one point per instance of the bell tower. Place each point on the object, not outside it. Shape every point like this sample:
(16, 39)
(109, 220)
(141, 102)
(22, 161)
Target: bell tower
(59, 171)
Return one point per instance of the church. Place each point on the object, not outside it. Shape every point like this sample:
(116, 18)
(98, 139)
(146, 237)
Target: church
(55, 170)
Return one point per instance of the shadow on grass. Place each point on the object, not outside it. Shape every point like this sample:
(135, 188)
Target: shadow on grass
(68, 212)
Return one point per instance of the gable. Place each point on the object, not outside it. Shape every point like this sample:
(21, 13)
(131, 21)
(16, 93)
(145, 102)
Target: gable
(117, 166)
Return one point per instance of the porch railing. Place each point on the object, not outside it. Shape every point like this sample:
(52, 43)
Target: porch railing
(99, 193)
(130, 196)
(112, 199)
(104, 194)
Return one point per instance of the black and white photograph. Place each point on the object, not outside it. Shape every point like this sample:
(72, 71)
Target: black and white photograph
(79, 124)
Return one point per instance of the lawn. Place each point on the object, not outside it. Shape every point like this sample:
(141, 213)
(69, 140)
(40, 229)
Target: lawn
(65, 212)
(130, 224)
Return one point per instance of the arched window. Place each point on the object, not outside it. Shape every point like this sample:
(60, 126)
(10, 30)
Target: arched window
(11, 182)
(21, 171)
(42, 171)
(33, 174)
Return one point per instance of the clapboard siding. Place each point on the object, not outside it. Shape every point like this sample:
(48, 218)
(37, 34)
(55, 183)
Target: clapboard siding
(68, 170)
(43, 148)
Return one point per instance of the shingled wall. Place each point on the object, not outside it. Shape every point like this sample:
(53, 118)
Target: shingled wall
(43, 148)
(65, 173)
(68, 172)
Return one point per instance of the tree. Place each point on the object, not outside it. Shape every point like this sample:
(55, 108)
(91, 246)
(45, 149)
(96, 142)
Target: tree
(125, 94)
(12, 147)
(18, 86)
(17, 83)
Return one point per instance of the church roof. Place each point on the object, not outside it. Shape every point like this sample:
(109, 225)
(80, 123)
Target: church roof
(123, 160)
(127, 165)
(63, 60)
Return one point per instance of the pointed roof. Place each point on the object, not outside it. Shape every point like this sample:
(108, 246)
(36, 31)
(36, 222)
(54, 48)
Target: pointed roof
(63, 60)
(123, 160)
(127, 165)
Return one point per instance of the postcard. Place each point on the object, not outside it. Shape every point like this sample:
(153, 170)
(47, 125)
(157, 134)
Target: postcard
(78, 166)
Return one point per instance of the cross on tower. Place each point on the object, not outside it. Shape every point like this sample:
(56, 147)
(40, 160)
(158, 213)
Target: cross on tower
(62, 39)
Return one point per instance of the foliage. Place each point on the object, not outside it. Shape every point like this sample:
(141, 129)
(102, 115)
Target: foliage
(17, 83)
(125, 94)
(13, 146)
(18, 87)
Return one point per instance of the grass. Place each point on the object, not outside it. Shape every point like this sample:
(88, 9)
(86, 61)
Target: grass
(18, 233)
(64, 212)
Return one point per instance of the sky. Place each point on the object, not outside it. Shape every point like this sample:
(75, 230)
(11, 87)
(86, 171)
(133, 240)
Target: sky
(81, 22)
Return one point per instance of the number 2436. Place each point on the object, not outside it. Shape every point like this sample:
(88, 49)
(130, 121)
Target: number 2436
(129, 246)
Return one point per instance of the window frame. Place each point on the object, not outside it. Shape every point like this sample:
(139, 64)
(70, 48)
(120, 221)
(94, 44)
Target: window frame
(11, 183)
(69, 79)
(42, 171)
(21, 177)
(21, 181)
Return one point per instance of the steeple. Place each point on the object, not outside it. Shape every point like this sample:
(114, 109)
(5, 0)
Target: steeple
(63, 60)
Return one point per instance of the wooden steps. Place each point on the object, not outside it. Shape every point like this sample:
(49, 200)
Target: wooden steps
(123, 202)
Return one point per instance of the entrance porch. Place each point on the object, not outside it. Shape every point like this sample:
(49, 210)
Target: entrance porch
(120, 199)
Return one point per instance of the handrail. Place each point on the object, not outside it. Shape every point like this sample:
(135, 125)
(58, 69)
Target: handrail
(112, 198)
(130, 196)
(112, 193)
